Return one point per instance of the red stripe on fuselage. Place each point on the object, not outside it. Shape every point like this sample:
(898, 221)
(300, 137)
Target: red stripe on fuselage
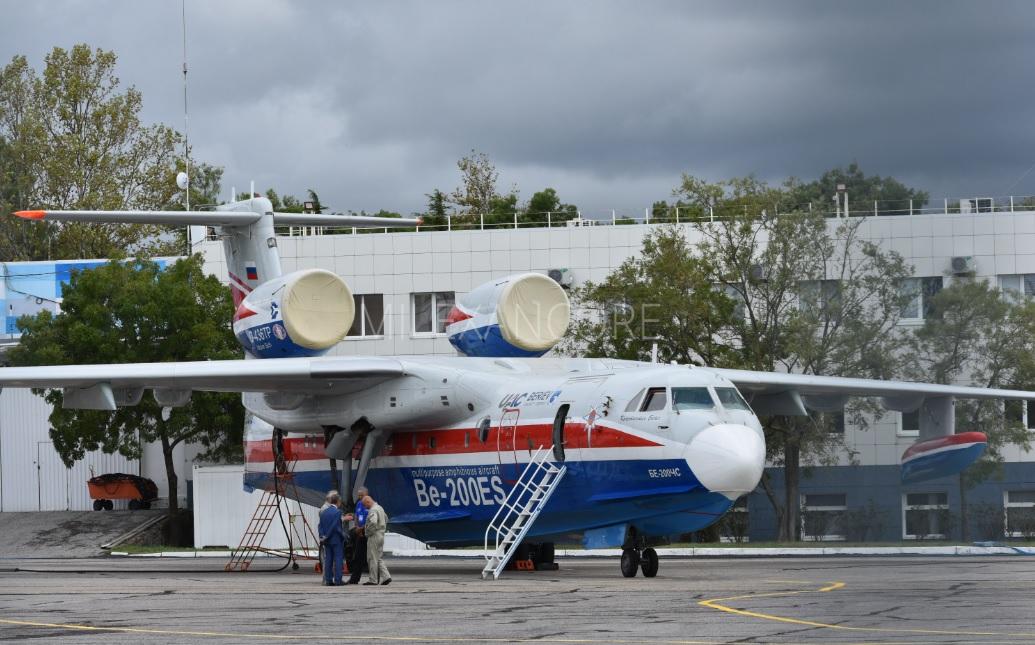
(456, 441)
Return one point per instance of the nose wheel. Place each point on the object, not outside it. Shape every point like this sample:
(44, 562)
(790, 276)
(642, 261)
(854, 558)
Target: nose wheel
(634, 560)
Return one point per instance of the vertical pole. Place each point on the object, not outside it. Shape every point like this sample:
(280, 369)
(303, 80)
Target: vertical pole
(515, 219)
(677, 214)
(449, 222)
(646, 216)
(875, 208)
(846, 204)
(810, 207)
(711, 214)
(481, 221)
(549, 220)
(1011, 203)
(612, 216)
(911, 208)
(946, 207)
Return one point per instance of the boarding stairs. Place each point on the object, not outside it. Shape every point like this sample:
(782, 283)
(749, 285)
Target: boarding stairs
(300, 540)
(519, 511)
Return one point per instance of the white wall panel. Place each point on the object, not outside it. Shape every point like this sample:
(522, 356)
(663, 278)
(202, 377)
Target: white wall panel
(23, 424)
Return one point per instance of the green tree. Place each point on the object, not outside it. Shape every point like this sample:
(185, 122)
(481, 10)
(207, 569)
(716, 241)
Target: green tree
(977, 334)
(889, 193)
(810, 299)
(663, 296)
(73, 139)
(128, 312)
(546, 201)
(437, 212)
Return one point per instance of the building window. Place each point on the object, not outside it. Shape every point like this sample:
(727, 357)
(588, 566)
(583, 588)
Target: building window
(1016, 285)
(1021, 412)
(819, 296)
(1020, 513)
(430, 311)
(909, 423)
(739, 304)
(370, 315)
(920, 291)
(822, 515)
(734, 524)
(836, 422)
(925, 516)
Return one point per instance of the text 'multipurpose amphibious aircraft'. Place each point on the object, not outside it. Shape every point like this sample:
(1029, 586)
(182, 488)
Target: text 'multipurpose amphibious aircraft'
(649, 450)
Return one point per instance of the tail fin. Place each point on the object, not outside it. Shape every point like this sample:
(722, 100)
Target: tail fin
(249, 240)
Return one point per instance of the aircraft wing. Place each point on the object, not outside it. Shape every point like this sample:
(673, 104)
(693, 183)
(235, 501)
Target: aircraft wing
(100, 386)
(819, 387)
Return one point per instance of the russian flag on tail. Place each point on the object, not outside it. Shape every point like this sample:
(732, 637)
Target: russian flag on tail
(941, 456)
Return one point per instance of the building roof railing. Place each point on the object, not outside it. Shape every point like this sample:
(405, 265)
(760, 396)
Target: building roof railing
(682, 214)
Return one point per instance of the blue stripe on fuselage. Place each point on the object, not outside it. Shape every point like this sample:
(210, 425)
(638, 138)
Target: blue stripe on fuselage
(467, 497)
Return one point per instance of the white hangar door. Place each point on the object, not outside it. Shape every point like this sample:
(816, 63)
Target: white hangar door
(52, 478)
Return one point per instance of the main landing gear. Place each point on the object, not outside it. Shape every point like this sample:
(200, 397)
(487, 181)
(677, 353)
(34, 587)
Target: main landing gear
(636, 559)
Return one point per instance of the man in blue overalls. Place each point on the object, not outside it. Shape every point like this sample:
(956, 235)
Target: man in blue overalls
(358, 561)
(332, 538)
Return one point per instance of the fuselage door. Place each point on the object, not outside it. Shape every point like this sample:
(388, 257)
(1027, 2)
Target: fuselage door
(506, 444)
(655, 407)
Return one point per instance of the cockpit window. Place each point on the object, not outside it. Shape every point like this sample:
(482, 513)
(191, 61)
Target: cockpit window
(656, 399)
(634, 403)
(691, 398)
(731, 399)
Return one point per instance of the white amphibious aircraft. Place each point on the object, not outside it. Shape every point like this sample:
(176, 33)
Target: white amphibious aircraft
(648, 450)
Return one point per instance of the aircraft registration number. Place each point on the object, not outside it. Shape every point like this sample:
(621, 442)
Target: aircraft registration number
(460, 491)
(663, 473)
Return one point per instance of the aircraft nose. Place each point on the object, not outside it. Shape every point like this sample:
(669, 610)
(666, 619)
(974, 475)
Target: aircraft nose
(727, 459)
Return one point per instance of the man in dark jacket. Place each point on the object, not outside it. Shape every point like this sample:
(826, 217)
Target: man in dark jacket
(332, 539)
(358, 559)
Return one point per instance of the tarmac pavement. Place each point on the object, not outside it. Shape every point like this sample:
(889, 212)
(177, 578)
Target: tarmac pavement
(955, 599)
(65, 534)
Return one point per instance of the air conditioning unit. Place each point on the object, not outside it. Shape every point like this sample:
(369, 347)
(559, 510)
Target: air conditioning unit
(578, 221)
(977, 205)
(963, 265)
(562, 277)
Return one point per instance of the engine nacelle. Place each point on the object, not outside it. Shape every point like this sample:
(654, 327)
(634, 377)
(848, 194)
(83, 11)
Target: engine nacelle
(520, 315)
(304, 313)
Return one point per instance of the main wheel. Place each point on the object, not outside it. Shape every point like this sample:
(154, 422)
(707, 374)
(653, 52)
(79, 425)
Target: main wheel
(134, 504)
(98, 504)
(108, 505)
(630, 562)
(649, 563)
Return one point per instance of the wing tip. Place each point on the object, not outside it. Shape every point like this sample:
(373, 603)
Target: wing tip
(30, 214)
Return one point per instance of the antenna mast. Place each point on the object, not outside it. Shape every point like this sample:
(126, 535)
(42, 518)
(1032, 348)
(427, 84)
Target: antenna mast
(186, 122)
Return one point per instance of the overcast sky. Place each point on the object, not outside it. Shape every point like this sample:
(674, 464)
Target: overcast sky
(372, 103)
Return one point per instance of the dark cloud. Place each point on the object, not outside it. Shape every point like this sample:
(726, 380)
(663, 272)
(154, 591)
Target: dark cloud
(373, 103)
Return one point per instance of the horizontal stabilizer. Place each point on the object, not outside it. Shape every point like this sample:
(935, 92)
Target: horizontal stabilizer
(185, 218)
(216, 218)
(305, 219)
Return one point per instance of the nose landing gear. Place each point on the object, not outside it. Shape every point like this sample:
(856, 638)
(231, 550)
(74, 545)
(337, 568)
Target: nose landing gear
(635, 559)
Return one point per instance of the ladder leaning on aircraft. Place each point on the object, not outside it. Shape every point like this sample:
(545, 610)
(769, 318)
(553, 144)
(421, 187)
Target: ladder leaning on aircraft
(647, 450)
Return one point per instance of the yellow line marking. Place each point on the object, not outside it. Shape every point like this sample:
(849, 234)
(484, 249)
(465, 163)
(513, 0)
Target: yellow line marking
(340, 637)
(715, 603)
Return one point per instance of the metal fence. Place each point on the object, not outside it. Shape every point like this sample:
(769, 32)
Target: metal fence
(680, 214)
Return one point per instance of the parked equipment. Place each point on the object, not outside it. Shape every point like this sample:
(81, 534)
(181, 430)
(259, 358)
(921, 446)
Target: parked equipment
(140, 491)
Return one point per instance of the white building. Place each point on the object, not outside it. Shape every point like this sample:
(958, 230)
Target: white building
(401, 278)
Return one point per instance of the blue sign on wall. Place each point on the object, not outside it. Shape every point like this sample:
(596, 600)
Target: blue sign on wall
(27, 288)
